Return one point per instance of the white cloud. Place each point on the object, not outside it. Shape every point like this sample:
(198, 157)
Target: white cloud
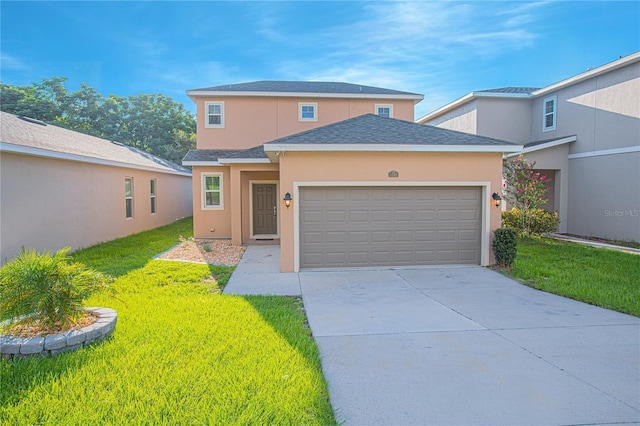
(405, 45)
(9, 62)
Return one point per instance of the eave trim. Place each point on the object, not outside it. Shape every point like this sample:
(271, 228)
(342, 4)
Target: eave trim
(338, 147)
(40, 152)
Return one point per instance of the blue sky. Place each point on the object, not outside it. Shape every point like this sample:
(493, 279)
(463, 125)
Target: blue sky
(440, 49)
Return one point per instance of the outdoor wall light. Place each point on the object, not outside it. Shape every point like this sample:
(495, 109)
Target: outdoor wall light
(497, 199)
(287, 199)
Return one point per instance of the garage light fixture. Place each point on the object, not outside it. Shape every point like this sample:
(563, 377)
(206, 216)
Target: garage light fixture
(497, 199)
(287, 199)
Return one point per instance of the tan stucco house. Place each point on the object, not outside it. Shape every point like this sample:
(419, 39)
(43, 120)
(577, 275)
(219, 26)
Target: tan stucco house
(582, 132)
(339, 175)
(63, 188)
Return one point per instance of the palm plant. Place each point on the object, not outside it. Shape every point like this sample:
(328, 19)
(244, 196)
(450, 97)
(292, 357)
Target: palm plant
(46, 288)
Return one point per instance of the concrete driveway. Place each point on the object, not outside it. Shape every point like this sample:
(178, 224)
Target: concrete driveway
(462, 345)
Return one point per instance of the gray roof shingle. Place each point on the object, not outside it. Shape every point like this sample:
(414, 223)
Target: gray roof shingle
(221, 154)
(29, 133)
(514, 90)
(373, 129)
(303, 87)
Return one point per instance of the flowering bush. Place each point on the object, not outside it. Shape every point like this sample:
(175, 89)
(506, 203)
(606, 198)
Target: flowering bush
(523, 188)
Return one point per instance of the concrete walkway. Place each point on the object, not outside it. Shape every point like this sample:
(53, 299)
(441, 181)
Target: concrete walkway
(458, 345)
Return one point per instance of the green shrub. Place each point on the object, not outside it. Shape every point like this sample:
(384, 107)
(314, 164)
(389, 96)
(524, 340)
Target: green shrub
(46, 288)
(505, 244)
(539, 221)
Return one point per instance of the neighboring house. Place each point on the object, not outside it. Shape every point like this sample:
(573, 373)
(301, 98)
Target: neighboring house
(583, 132)
(63, 188)
(339, 175)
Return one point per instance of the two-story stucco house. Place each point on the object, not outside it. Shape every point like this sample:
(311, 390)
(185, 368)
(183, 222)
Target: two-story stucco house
(339, 175)
(583, 133)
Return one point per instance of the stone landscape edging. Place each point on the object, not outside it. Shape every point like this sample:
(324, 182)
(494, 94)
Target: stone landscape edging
(68, 341)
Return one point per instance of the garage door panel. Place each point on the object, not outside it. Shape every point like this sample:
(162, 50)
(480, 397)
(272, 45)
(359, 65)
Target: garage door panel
(425, 237)
(359, 216)
(403, 216)
(312, 216)
(386, 226)
(335, 237)
(381, 215)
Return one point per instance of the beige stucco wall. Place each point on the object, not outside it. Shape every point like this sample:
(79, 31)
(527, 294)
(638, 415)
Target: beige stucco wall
(603, 111)
(211, 223)
(504, 118)
(604, 185)
(233, 219)
(424, 168)
(253, 120)
(555, 159)
(47, 204)
(606, 202)
(462, 119)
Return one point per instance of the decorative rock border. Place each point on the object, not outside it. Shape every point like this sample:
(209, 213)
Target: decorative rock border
(65, 342)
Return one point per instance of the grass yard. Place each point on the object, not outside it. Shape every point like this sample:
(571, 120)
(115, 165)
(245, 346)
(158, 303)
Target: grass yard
(606, 278)
(182, 353)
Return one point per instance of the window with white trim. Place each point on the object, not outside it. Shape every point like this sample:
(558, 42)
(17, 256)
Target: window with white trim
(212, 191)
(549, 113)
(384, 111)
(308, 111)
(214, 114)
(128, 197)
(152, 190)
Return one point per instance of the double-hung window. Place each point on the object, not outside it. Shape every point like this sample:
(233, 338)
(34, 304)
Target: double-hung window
(152, 189)
(128, 197)
(307, 111)
(214, 114)
(212, 191)
(384, 111)
(549, 113)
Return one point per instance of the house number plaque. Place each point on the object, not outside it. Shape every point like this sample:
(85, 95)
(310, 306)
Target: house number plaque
(393, 174)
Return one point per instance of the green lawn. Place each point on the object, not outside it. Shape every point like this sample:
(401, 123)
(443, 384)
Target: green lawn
(601, 277)
(182, 353)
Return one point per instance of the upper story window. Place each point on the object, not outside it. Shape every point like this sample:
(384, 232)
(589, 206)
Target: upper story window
(549, 113)
(128, 197)
(214, 114)
(212, 191)
(307, 111)
(152, 189)
(384, 111)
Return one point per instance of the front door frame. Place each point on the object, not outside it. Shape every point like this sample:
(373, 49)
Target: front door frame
(251, 233)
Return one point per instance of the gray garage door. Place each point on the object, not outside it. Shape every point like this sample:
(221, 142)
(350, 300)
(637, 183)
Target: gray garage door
(389, 226)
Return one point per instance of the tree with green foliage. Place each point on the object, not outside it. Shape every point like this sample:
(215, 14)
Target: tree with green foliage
(151, 122)
(524, 188)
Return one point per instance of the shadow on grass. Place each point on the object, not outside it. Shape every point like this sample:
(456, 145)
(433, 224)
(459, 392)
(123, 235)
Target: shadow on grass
(287, 317)
(19, 376)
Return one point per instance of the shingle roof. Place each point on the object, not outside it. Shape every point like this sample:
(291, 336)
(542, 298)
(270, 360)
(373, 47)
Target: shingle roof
(373, 129)
(221, 154)
(303, 87)
(516, 90)
(34, 135)
(543, 141)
